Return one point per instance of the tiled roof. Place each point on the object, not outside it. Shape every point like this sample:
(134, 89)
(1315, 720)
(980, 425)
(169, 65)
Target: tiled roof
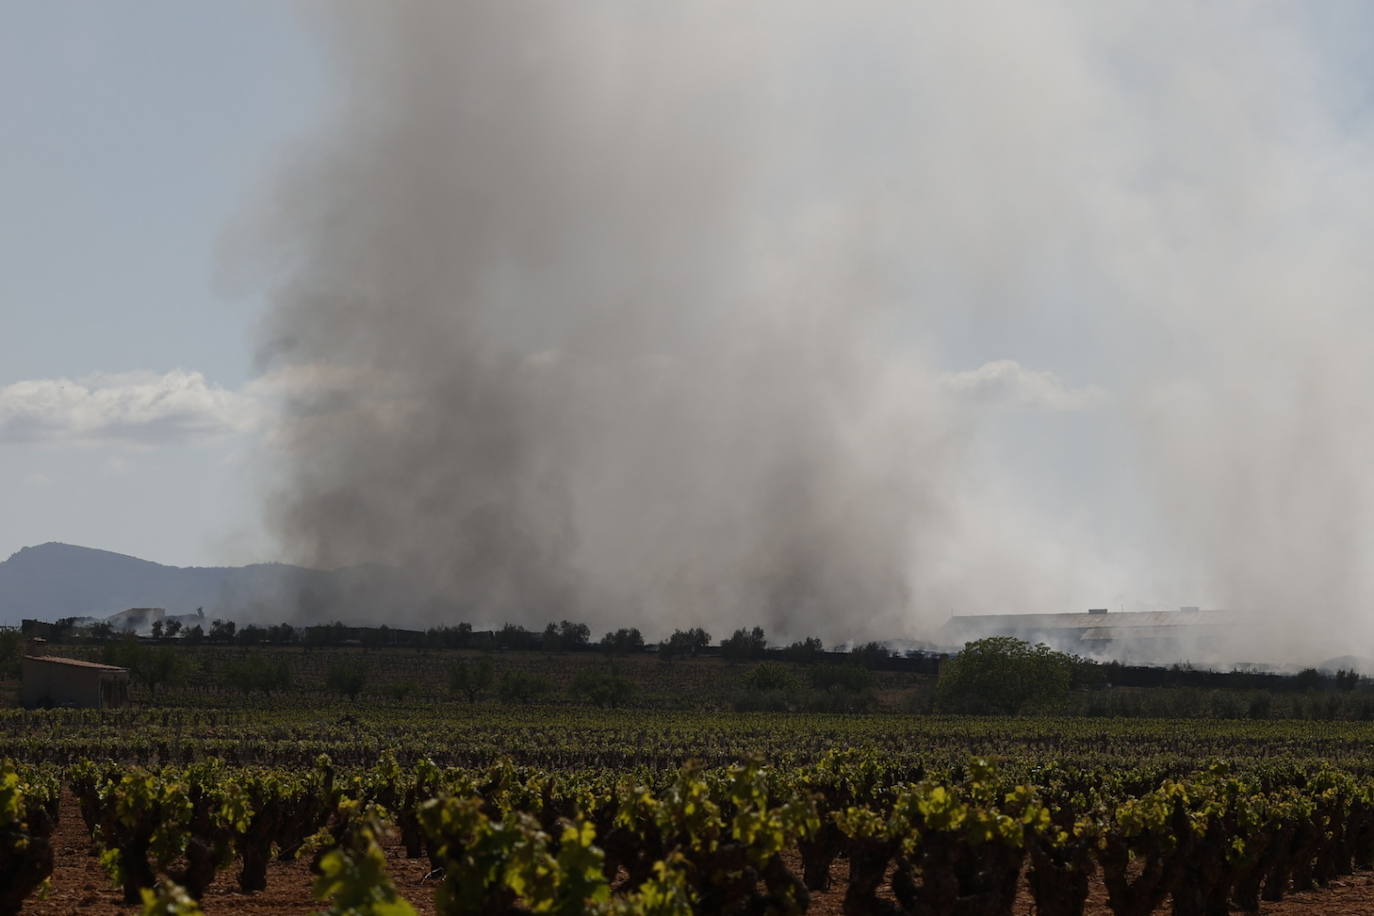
(1116, 620)
(74, 662)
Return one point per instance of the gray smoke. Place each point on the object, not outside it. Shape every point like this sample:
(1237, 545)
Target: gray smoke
(606, 367)
(672, 314)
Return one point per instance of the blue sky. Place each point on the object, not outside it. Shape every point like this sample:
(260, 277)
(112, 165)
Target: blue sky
(134, 135)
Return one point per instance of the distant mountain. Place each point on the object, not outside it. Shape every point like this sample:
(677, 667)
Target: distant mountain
(60, 580)
(1347, 663)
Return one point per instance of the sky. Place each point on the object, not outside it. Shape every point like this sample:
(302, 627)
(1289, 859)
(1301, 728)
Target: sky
(1138, 301)
(134, 136)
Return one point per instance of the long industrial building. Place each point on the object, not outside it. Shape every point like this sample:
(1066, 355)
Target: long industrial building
(1145, 636)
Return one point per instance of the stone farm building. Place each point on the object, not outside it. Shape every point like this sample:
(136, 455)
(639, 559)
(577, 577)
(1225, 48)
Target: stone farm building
(1132, 636)
(52, 681)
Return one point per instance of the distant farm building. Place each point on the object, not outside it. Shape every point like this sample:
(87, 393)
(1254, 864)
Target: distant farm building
(53, 681)
(1126, 635)
(136, 619)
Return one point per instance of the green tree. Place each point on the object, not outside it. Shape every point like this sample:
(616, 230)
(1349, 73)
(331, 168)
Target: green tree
(1002, 675)
(623, 641)
(770, 676)
(256, 673)
(744, 644)
(870, 654)
(518, 687)
(574, 635)
(602, 687)
(11, 644)
(163, 666)
(348, 677)
(684, 643)
(471, 679)
(514, 636)
(152, 668)
(804, 651)
(1309, 679)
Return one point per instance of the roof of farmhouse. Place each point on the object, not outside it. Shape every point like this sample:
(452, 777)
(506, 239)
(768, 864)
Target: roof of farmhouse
(74, 662)
(1116, 621)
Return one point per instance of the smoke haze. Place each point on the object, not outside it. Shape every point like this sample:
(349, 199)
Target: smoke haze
(835, 318)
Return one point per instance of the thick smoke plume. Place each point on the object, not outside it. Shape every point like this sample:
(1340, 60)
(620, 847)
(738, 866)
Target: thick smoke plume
(674, 314)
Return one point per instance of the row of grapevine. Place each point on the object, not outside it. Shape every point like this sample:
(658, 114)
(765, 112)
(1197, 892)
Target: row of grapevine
(185, 824)
(747, 838)
(28, 814)
(586, 739)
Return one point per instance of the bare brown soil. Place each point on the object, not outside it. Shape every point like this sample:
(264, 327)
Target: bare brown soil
(80, 885)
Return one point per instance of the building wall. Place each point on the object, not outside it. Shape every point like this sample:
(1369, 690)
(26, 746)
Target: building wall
(55, 684)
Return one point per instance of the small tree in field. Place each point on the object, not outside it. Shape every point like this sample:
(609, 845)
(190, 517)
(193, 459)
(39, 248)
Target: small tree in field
(744, 644)
(602, 687)
(347, 677)
(148, 666)
(1002, 675)
(11, 650)
(684, 643)
(804, 651)
(160, 666)
(471, 679)
(623, 641)
(255, 672)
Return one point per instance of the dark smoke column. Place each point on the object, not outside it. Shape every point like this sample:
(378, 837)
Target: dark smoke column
(583, 343)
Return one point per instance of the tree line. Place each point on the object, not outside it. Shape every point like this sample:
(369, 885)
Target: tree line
(743, 644)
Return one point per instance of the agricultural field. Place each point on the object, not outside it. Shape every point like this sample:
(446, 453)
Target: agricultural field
(672, 800)
(460, 806)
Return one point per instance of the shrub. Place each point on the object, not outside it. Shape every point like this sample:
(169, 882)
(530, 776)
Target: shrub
(566, 636)
(514, 636)
(870, 654)
(602, 687)
(518, 687)
(623, 641)
(744, 644)
(256, 673)
(401, 691)
(147, 666)
(684, 643)
(1003, 675)
(470, 679)
(348, 677)
(770, 676)
(804, 651)
(11, 642)
(851, 678)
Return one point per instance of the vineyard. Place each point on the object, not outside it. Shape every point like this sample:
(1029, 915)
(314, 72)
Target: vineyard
(477, 808)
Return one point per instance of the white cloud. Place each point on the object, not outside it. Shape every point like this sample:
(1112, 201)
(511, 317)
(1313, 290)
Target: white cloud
(1005, 381)
(130, 407)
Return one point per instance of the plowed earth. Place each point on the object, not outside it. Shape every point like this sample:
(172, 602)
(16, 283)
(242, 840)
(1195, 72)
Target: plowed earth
(80, 885)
